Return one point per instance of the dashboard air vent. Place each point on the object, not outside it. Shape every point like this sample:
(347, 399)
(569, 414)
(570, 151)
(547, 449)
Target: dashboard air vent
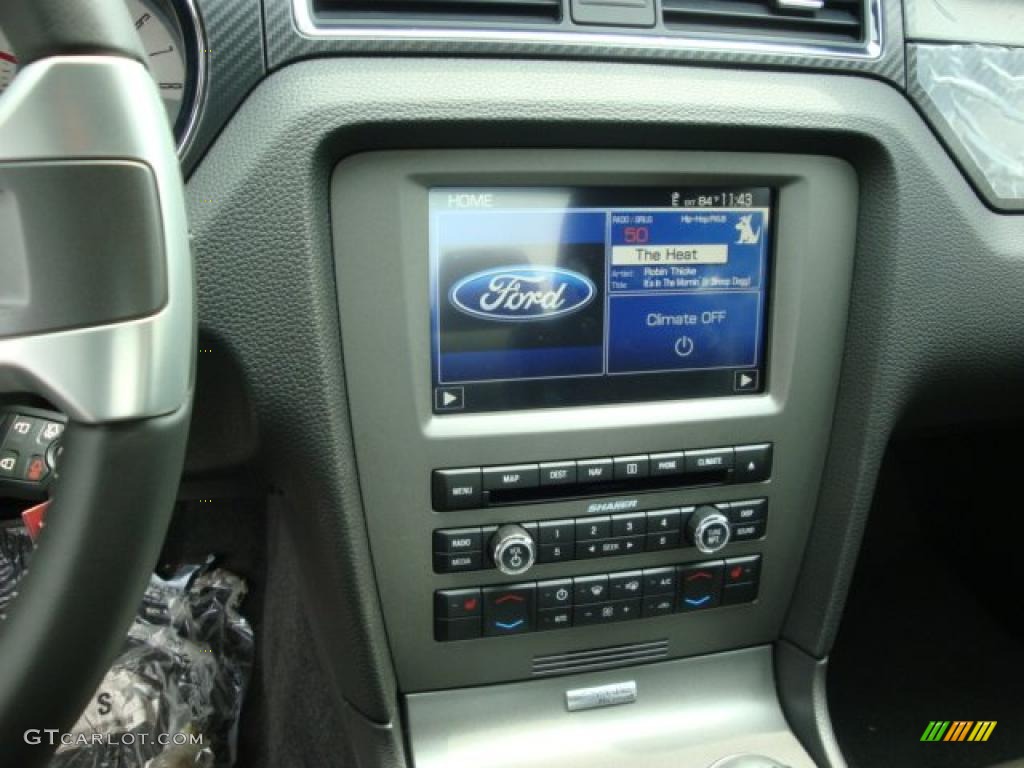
(800, 20)
(490, 11)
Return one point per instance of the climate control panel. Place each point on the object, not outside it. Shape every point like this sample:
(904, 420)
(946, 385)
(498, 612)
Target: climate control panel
(515, 548)
(603, 598)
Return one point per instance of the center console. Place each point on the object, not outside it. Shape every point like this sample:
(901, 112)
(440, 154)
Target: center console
(592, 392)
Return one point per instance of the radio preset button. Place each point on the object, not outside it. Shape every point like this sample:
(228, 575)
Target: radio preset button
(590, 528)
(631, 467)
(629, 524)
(594, 470)
(457, 489)
(558, 473)
(555, 553)
(511, 477)
(659, 541)
(557, 532)
(667, 464)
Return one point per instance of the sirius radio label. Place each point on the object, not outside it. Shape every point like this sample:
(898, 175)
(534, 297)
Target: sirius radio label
(557, 296)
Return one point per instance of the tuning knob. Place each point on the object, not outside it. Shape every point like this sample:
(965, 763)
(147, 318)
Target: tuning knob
(708, 529)
(513, 550)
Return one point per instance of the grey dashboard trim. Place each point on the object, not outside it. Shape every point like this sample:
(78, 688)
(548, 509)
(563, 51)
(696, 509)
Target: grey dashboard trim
(380, 202)
(692, 712)
(291, 35)
(935, 309)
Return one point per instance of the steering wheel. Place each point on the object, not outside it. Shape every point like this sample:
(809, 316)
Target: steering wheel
(97, 317)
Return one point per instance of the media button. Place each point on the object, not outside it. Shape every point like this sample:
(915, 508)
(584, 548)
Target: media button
(511, 477)
(557, 532)
(469, 561)
(558, 473)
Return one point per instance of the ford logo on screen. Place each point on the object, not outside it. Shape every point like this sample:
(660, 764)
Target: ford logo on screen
(522, 293)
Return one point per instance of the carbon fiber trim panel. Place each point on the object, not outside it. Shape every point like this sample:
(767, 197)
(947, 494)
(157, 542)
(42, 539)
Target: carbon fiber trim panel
(286, 43)
(235, 63)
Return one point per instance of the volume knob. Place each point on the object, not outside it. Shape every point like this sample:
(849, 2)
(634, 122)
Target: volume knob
(708, 529)
(513, 550)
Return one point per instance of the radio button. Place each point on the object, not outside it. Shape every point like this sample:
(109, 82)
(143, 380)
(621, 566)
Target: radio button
(667, 464)
(458, 540)
(630, 524)
(557, 532)
(456, 489)
(753, 463)
(511, 477)
(558, 473)
(631, 467)
(594, 471)
(590, 528)
(709, 460)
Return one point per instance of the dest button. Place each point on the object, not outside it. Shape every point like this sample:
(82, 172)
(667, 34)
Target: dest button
(508, 610)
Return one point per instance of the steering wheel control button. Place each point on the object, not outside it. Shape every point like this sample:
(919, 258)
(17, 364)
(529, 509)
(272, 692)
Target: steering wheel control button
(752, 511)
(554, 594)
(9, 463)
(631, 467)
(741, 580)
(513, 477)
(513, 550)
(457, 489)
(457, 603)
(667, 464)
(700, 586)
(558, 473)
(709, 461)
(659, 541)
(508, 610)
(458, 540)
(594, 470)
(753, 463)
(708, 530)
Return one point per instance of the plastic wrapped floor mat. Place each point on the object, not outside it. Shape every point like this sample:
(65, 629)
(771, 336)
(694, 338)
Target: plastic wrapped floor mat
(173, 697)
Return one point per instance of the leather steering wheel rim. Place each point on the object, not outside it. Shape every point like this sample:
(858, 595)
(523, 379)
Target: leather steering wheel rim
(118, 358)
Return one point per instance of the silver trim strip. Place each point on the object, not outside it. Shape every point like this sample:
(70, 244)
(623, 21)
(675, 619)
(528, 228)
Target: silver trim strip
(199, 97)
(607, 695)
(872, 49)
(104, 108)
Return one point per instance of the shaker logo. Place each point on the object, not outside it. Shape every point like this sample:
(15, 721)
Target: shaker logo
(522, 293)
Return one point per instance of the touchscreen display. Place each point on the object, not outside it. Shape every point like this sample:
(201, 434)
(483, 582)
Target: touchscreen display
(550, 297)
